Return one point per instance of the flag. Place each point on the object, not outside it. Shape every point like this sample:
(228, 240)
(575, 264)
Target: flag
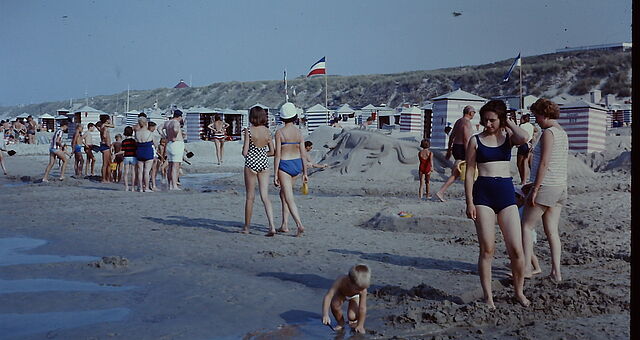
(318, 68)
(516, 62)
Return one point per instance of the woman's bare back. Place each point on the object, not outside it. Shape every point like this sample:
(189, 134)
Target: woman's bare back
(260, 136)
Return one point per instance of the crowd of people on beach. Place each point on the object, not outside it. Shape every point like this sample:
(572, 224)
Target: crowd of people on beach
(135, 158)
(20, 130)
(482, 160)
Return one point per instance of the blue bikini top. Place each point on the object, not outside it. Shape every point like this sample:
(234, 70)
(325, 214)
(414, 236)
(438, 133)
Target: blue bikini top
(485, 154)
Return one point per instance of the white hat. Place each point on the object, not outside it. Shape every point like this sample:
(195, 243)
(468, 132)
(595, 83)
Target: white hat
(288, 110)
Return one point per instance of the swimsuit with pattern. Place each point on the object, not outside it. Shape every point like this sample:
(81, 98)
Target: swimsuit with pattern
(256, 158)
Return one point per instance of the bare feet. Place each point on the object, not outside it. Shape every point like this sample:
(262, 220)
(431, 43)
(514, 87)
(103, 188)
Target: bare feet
(555, 278)
(271, 233)
(244, 231)
(490, 303)
(440, 196)
(300, 231)
(283, 230)
(521, 299)
(536, 271)
(44, 180)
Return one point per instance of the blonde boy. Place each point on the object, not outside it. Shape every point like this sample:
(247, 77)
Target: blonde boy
(352, 288)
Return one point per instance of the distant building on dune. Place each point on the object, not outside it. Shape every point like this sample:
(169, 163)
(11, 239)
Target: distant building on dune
(447, 108)
(622, 46)
(585, 124)
(181, 85)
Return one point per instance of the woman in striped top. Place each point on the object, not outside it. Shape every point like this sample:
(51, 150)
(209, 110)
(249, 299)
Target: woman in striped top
(547, 191)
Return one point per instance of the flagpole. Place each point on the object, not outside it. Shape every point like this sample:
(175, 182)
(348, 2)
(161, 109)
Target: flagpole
(521, 103)
(286, 95)
(326, 89)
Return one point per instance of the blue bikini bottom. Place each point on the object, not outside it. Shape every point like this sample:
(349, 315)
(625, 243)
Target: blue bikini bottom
(496, 193)
(291, 166)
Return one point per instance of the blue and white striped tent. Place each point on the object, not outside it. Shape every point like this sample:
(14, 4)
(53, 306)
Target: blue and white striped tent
(317, 115)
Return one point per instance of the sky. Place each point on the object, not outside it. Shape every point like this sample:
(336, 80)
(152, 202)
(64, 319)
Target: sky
(57, 50)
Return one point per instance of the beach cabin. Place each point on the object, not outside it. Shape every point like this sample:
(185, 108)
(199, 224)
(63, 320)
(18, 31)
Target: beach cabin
(412, 120)
(427, 111)
(131, 118)
(196, 120)
(47, 122)
(585, 124)
(347, 116)
(385, 115)
(59, 120)
(84, 115)
(447, 108)
(317, 115)
(236, 119)
(365, 112)
(22, 117)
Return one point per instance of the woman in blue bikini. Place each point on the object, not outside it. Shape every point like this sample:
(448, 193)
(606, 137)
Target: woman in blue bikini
(288, 162)
(492, 194)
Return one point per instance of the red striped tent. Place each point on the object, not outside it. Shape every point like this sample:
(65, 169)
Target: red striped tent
(585, 124)
(411, 119)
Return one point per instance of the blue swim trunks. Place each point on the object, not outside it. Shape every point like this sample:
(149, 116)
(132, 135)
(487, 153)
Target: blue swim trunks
(496, 193)
(293, 167)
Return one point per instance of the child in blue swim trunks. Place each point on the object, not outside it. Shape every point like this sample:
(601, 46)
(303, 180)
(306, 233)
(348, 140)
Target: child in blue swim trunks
(76, 145)
(288, 162)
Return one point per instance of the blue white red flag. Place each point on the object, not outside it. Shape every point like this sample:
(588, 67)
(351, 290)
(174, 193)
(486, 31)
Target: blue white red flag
(516, 62)
(318, 68)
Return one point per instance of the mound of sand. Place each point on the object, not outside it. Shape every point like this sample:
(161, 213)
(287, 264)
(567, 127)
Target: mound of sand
(423, 221)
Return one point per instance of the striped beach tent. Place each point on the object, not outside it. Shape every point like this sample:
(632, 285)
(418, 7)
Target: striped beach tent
(585, 124)
(131, 118)
(317, 115)
(347, 116)
(411, 119)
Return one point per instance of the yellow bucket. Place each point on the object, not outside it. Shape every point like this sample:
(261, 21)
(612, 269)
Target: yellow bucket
(113, 166)
(305, 188)
(462, 167)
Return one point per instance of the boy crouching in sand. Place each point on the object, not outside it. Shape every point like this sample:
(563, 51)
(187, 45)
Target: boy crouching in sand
(352, 288)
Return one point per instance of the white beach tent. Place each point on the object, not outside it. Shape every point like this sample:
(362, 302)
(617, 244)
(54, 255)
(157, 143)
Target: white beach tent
(22, 116)
(347, 116)
(47, 122)
(317, 115)
(386, 115)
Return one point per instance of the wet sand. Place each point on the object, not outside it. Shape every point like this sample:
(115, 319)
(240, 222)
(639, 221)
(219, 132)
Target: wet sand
(189, 274)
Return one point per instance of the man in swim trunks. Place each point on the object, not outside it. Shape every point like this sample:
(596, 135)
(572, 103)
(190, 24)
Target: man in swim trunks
(174, 149)
(105, 146)
(31, 130)
(458, 141)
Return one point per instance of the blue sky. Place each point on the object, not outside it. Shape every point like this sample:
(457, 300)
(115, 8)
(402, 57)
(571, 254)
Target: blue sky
(56, 50)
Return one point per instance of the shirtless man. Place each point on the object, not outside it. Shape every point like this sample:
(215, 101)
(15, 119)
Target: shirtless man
(88, 149)
(55, 151)
(105, 146)
(174, 149)
(458, 141)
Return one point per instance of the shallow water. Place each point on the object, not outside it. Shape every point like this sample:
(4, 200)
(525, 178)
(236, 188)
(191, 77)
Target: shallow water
(11, 253)
(50, 285)
(203, 181)
(13, 324)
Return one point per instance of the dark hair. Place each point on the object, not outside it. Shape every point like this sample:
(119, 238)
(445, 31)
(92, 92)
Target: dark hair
(307, 143)
(425, 143)
(525, 118)
(90, 125)
(104, 118)
(370, 119)
(289, 120)
(496, 106)
(152, 124)
(128, 131)
(217, 117)
(258, 116)
(546, 108)
(142, 114)
(64, 123)
(98, 124)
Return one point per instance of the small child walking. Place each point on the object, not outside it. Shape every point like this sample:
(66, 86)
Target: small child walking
(426, 166)
(128, 150)
(353, 288)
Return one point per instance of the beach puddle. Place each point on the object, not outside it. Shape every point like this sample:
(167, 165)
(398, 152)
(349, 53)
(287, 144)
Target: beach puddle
(11, 253)
(51, 285)
(14, 184)
(307, 330)
(14, 325)
(204, 181)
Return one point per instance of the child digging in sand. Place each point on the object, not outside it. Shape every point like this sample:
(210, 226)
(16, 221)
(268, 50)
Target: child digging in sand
(352, 288)
(426, 165)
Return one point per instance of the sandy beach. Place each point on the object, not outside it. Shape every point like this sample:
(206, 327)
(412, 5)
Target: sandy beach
(84, 260)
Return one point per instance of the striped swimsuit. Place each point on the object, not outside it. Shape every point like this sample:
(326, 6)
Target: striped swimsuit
(556, 174)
